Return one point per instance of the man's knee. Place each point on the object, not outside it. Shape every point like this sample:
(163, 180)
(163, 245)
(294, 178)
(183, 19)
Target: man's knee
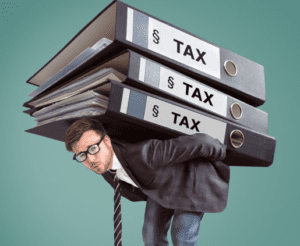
(185, 228)
(148, 232)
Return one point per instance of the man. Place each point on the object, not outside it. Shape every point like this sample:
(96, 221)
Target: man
(181, 178)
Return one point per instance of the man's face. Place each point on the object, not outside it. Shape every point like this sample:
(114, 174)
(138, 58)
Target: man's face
(101, 161)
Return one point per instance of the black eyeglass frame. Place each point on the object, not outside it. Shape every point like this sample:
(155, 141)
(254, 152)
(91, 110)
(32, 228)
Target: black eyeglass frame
(86, 152)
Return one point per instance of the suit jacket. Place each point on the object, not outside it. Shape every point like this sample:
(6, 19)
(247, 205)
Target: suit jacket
(183, 173)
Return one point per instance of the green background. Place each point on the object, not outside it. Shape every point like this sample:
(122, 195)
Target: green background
(47, 199)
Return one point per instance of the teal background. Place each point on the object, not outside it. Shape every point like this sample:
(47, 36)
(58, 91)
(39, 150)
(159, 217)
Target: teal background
(47, 199)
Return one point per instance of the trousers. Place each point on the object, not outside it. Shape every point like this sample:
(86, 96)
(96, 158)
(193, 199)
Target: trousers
(184, 230)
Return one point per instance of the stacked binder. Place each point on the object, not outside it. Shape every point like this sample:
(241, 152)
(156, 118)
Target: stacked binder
(144, 78)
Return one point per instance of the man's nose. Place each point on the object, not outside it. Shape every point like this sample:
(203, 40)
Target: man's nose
(90, 158)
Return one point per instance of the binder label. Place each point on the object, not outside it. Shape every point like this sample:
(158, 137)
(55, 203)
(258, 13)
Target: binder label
(173, 43)
(179, 85)
(192, 91)
(183, 120)
(180, 46)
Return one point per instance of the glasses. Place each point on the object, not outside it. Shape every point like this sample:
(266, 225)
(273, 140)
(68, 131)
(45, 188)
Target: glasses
(92, 150)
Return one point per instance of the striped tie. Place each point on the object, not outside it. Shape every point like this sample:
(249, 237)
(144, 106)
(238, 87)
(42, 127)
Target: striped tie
(117, 213)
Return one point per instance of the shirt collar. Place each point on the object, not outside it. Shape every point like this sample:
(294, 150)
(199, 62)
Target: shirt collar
(116, 163)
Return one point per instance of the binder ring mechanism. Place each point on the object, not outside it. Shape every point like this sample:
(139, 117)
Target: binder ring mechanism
(236, 138)
(236, 111)
(230, 68)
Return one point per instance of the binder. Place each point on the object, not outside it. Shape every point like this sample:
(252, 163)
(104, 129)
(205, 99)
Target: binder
(148, 75)
(75, 87)
(83, 97)
(131, 28)
(81, 58)
(93, 103)
(132, 113)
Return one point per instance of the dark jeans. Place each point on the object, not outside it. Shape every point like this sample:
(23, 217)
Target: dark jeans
(184, 230)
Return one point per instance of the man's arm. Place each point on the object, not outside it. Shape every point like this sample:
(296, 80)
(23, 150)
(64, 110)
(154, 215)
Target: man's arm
(158, 154)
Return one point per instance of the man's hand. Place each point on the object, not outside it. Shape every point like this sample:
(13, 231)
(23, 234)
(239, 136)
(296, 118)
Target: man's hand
(158, 154)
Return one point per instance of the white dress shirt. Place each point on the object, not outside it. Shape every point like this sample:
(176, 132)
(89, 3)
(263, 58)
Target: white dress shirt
(120, 171)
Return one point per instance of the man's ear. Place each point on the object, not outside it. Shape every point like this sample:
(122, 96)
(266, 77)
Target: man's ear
(73, 146)
(107, 140)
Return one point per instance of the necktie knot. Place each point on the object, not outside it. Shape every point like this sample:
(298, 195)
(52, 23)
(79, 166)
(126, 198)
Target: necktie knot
(114, 171)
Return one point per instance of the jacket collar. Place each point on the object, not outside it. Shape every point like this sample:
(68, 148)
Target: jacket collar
(118, 145)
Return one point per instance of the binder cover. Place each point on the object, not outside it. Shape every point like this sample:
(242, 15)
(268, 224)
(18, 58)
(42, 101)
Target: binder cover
(130, 28)
(81, 58)
(128, 105)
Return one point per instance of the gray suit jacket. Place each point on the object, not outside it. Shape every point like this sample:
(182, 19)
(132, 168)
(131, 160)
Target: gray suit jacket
(183, 173)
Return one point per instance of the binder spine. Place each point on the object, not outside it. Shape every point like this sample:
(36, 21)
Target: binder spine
(192, 55)
(194, 93)
(256, 150)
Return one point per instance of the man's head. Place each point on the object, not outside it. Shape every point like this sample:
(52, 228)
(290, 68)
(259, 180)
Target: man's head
(82, 138)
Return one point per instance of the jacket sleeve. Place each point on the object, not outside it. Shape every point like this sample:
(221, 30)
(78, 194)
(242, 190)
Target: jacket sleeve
(158, 154)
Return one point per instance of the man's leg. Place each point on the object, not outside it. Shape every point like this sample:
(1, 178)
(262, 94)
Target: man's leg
(156, 224)
(185, 228)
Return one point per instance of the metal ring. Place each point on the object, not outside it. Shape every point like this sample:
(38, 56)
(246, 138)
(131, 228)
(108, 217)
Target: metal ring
(236, 138)
(230, 68)
(236, 111)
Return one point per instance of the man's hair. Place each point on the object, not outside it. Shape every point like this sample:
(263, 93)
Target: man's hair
(76, 130)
